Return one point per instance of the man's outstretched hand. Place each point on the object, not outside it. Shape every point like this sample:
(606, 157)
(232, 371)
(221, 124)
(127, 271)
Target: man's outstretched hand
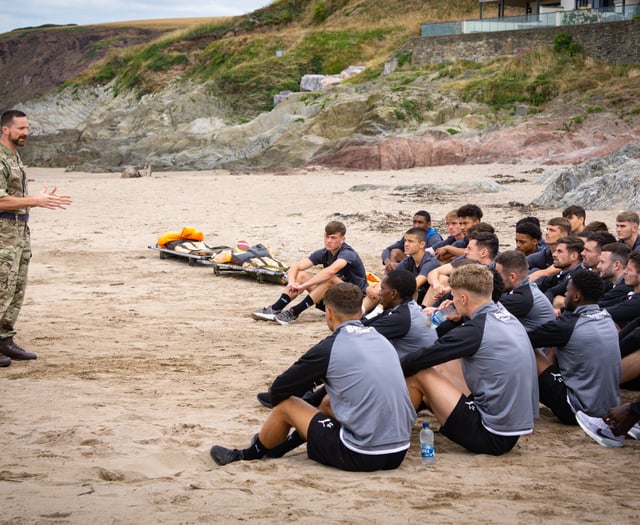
(52, 200)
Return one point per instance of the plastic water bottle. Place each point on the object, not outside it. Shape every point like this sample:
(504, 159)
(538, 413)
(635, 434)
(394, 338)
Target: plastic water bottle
(427, 452)
(440, 316)
(437, 318)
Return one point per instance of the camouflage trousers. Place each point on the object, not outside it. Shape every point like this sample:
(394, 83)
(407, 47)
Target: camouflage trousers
(15, 253)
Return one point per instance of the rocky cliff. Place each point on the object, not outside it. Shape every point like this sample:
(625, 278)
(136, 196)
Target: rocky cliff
(37, 61)
(418, 116)
(185, 128)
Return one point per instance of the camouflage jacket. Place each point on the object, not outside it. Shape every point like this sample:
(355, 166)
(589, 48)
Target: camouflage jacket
(13, 178)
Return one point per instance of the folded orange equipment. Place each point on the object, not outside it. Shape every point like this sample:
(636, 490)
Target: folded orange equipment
(187, 233)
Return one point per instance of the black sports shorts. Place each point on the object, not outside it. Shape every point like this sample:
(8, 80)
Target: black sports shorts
(464, 427)
(553, 394)
(324, 446)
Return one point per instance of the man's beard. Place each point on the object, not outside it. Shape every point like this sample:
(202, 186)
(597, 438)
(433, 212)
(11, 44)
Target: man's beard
(19, 141)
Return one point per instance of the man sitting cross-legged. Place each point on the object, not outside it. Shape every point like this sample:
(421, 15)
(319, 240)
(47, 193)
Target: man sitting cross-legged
(498, 399)
(365, 422)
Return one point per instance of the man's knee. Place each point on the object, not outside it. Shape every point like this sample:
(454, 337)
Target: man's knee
(396, 255)
(296, 412)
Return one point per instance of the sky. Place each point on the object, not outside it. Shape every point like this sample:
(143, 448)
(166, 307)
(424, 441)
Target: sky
(33, 13)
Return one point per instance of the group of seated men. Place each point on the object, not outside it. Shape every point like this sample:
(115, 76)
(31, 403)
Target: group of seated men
(555, 321)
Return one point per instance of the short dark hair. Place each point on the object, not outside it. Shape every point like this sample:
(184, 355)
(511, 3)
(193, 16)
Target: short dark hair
(573, 242)
(480, 227)
(576, 210)
(589, 284)
(531, 219)
(470, 210)
(344, 298)
(7, 117)
(403, 282)
(420, 233)
(335, 227)
(530, 229)
(423, 213)
(489, 241)
(596, 226)
(634, 257)
(619, 251)
(513, 261)
(601, 238)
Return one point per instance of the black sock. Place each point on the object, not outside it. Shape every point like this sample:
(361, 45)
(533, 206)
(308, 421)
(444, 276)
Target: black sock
(256, 451)
(301, 307)
(294, 440)
(281, 303)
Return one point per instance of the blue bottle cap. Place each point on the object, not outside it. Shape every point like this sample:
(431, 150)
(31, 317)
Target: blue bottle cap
(425, 424)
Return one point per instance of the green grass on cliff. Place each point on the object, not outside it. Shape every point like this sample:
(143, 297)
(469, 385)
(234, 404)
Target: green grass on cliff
(539, 75)
(237, 56)
(245, 60)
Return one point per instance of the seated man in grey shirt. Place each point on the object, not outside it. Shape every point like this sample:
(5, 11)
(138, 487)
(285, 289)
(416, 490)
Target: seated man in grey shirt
(496, 399)
(364, 423)
(584, 372)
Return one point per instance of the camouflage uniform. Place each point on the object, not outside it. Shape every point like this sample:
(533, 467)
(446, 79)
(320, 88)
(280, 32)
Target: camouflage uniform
(15, 243)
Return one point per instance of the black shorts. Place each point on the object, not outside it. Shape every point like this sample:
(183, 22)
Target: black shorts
(324, 446)
(553, 394)
(464, 427)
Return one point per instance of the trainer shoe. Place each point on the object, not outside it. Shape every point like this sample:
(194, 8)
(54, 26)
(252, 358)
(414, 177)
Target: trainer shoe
(223, 456)
(286, 317)
(265, 314)
(598, 430)
(634, 432)
(264, 398)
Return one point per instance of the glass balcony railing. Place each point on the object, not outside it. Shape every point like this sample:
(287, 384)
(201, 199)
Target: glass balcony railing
(511, 23)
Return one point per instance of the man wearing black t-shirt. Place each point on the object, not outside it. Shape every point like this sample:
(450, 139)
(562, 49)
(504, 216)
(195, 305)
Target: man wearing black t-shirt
(339, 261)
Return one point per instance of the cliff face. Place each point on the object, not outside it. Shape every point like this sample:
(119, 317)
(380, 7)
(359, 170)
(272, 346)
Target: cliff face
(38, 61)
(184, 128)
(418, 119)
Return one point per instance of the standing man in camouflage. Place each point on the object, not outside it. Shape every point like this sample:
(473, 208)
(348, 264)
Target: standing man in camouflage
(15, 245)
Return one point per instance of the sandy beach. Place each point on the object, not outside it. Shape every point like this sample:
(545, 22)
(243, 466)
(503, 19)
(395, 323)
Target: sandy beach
(145, 363)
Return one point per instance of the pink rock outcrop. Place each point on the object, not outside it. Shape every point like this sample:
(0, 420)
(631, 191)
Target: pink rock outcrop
(541, 140)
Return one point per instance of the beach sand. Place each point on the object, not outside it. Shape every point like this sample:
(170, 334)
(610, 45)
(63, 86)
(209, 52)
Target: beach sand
(145, 363)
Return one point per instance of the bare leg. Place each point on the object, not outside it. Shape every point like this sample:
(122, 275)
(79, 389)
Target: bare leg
(452, 372)
(430, 298)
(437, 392)
(542, 361)
(292, 412)
(372, 299)
(630, 367)
(318, 291)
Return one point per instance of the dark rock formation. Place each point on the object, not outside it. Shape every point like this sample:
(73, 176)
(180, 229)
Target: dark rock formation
(609, 182)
